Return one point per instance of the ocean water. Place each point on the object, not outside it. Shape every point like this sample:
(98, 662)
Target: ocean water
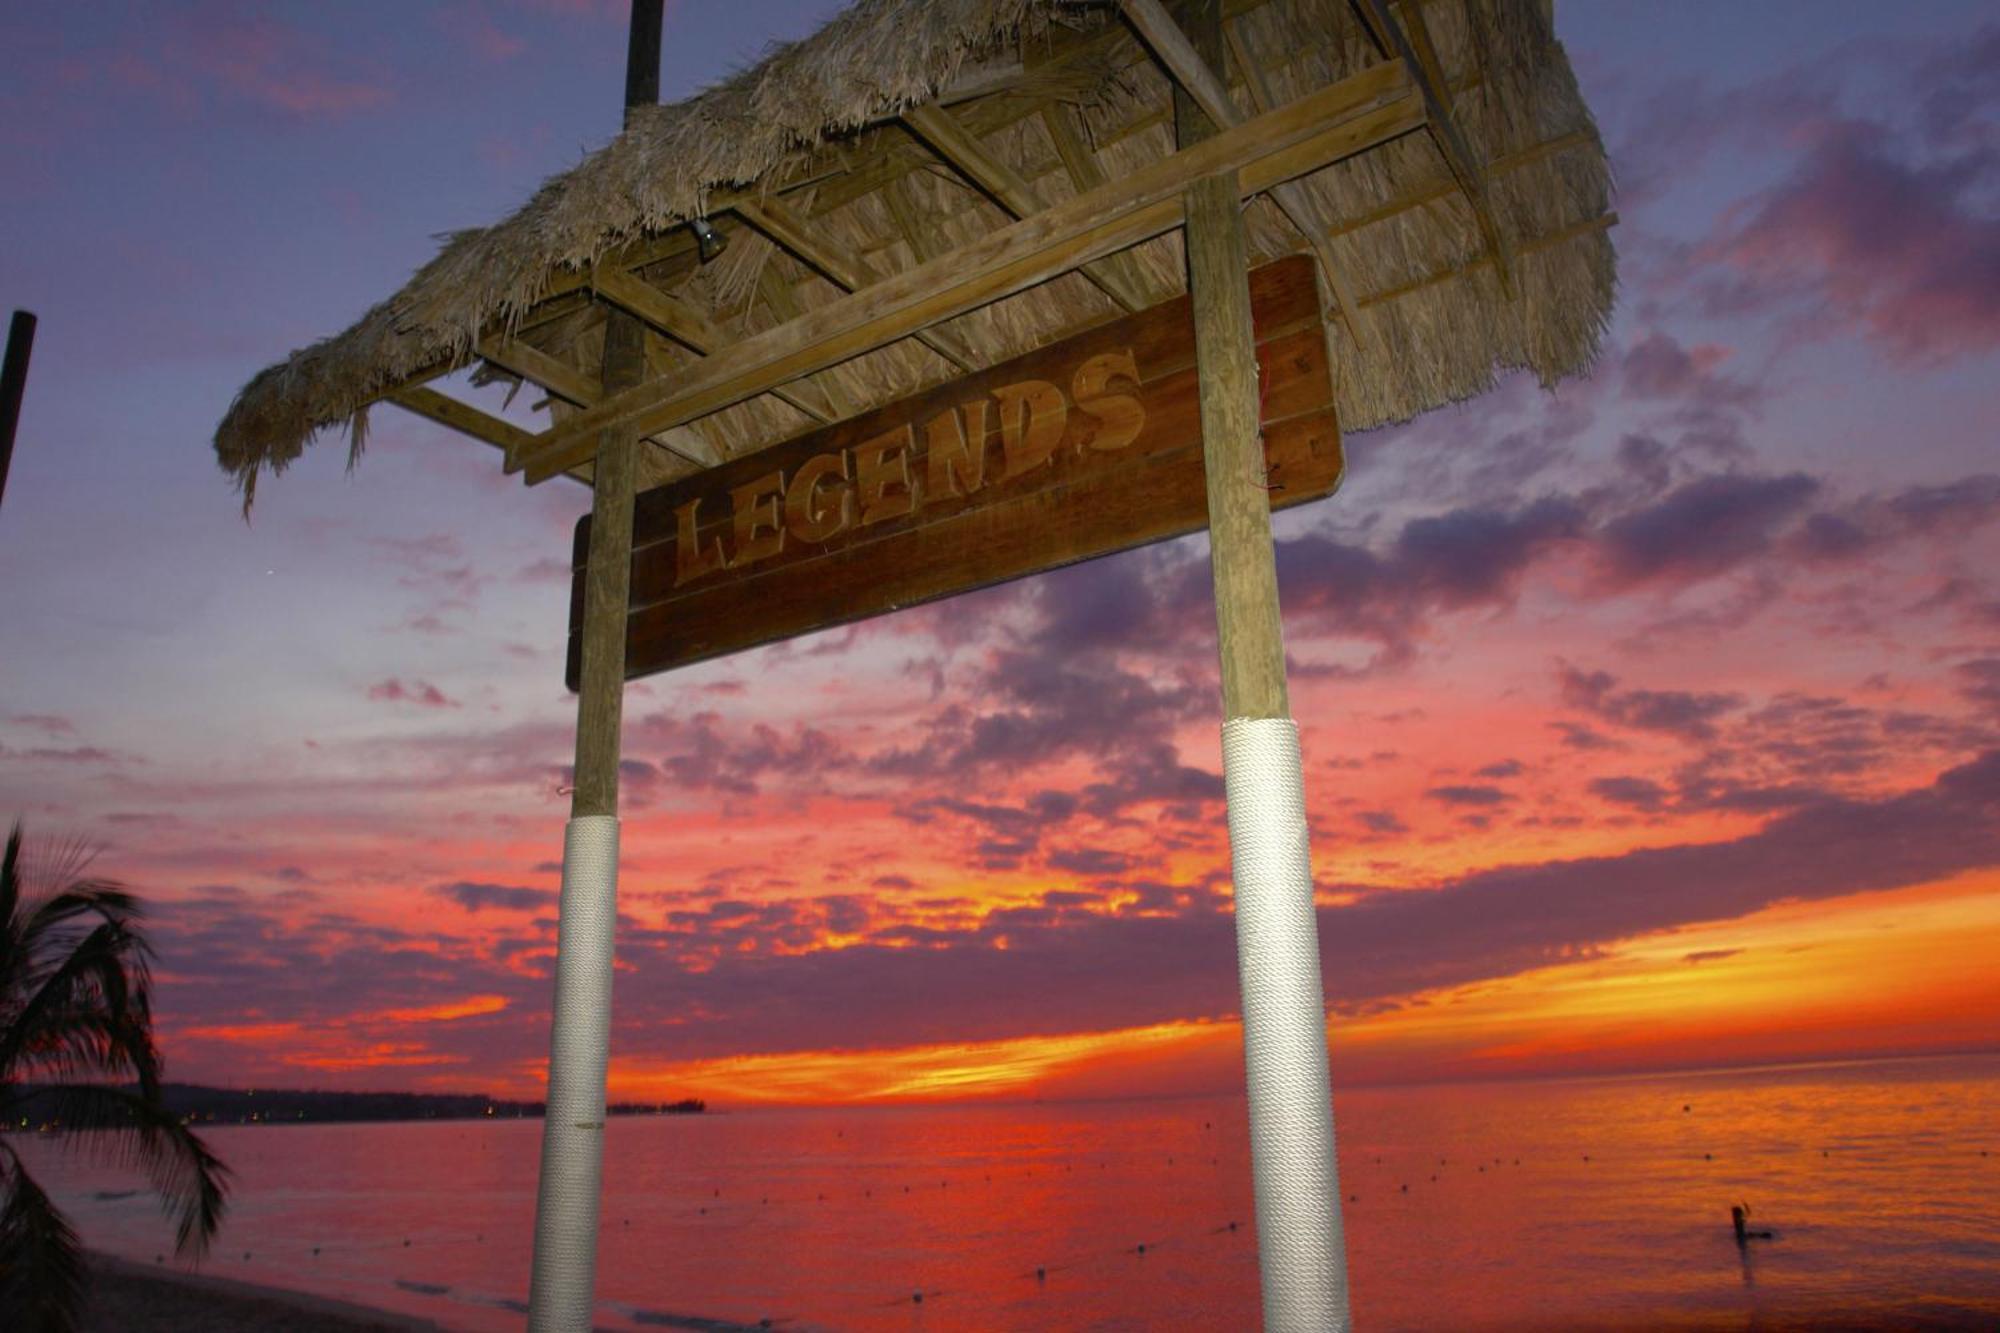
(1591, 1203)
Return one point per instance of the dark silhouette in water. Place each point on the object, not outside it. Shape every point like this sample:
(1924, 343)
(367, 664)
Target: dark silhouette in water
(1738, 1214)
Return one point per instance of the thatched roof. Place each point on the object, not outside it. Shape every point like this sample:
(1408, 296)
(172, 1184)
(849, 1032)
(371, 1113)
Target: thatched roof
(1064, 96)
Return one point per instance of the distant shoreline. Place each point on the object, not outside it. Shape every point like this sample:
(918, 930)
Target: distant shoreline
(195, 1104)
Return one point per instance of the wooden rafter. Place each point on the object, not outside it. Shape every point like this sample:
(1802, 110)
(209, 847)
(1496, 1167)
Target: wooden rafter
(1466, 167)
(784, 306)
(693, 330)
(1086, 173)
(963, 150)
(1325, 126)
(557, 376)
(571, 385)
(1193, 74)
(426, 402)
(840, 266)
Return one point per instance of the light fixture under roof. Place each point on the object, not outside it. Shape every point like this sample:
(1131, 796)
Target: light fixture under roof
(708, 238)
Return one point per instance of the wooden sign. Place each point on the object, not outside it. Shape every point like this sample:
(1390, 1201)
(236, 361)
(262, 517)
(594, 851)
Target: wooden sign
(1082, 448)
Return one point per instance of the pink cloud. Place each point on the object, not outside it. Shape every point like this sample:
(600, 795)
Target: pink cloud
(474, 26)
(230, 52)
(49, 724)
(421, 692)
(1901, 250)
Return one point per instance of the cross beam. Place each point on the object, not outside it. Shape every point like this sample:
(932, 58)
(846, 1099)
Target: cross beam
(843, 268)
(958, 146)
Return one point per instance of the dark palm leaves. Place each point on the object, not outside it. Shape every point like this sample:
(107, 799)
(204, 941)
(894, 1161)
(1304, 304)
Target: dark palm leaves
(75, 1017)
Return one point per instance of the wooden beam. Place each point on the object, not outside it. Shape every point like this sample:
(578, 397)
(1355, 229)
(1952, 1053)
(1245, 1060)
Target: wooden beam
(963, 150)
(1249, 631)
(695, 331)
(923, 241)
(559, 377)
(1465, 165)
(784, 304)
(1331, 123)
(464, 418)
(571, 385)
(1201, 82)
(1086, 173)
(842, 267)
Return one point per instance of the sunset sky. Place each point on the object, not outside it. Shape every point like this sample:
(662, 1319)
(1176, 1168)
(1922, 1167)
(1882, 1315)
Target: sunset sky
(1651, 722)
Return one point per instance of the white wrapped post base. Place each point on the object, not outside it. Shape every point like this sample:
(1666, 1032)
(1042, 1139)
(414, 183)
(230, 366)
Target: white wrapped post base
(565, 1265)
(1300, 1249)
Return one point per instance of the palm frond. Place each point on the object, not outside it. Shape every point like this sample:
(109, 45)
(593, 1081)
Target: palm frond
(10, 900)
(121, 1127)
(91, 1011)
(78, 898)
(41, 1259)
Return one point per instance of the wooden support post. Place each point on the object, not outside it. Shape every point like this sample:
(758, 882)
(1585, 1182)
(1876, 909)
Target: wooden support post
(600, 700)
(1300, 1248)
(562, 1290)
(1239, 506)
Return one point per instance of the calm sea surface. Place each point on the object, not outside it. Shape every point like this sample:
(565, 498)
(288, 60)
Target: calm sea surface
(1594, 1204)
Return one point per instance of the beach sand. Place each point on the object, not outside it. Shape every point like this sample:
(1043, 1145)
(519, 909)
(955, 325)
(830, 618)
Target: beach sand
(133, 1298)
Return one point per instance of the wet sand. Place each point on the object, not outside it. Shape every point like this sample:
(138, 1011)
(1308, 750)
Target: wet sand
(133, 1298)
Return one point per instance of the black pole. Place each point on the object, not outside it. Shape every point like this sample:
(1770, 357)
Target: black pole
(642, 54)
(13, 381)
